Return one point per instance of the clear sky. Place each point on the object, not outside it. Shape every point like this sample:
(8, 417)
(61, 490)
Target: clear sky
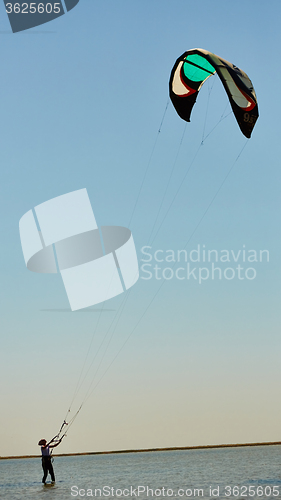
(82, 99)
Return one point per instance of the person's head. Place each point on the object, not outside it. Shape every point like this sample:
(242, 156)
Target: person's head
(42, 442)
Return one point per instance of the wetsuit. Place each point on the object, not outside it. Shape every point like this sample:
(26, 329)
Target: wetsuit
(47, 463)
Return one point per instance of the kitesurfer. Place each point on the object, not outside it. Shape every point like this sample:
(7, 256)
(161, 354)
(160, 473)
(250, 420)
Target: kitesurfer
(47, 459)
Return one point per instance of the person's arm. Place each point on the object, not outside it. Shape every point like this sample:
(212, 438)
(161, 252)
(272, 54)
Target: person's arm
(54, 445)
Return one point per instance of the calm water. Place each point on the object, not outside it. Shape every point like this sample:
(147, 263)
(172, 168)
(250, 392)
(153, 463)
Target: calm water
(182, 474)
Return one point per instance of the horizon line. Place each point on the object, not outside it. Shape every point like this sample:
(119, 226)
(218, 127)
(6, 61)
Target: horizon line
(146, 450)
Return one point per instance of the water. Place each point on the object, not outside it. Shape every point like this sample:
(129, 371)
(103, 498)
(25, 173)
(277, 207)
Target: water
(255, 471)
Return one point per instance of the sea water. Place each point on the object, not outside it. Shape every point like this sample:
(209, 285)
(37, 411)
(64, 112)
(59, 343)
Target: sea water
(244, 472)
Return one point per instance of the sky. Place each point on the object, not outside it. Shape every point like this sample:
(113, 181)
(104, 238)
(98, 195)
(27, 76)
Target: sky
(84, 104)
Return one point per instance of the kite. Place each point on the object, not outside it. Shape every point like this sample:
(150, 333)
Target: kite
(193, 68)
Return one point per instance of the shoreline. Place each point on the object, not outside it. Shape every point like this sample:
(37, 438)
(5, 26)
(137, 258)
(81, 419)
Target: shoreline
(147, 450)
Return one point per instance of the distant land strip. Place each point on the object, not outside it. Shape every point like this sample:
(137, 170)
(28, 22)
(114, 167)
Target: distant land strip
(146, 450)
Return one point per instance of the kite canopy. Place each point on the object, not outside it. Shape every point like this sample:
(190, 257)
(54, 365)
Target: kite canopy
(193, 68)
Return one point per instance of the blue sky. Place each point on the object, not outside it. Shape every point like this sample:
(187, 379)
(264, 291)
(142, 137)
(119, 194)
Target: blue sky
(82, 99)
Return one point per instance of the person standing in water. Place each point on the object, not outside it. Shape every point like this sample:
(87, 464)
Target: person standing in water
(47, 459)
